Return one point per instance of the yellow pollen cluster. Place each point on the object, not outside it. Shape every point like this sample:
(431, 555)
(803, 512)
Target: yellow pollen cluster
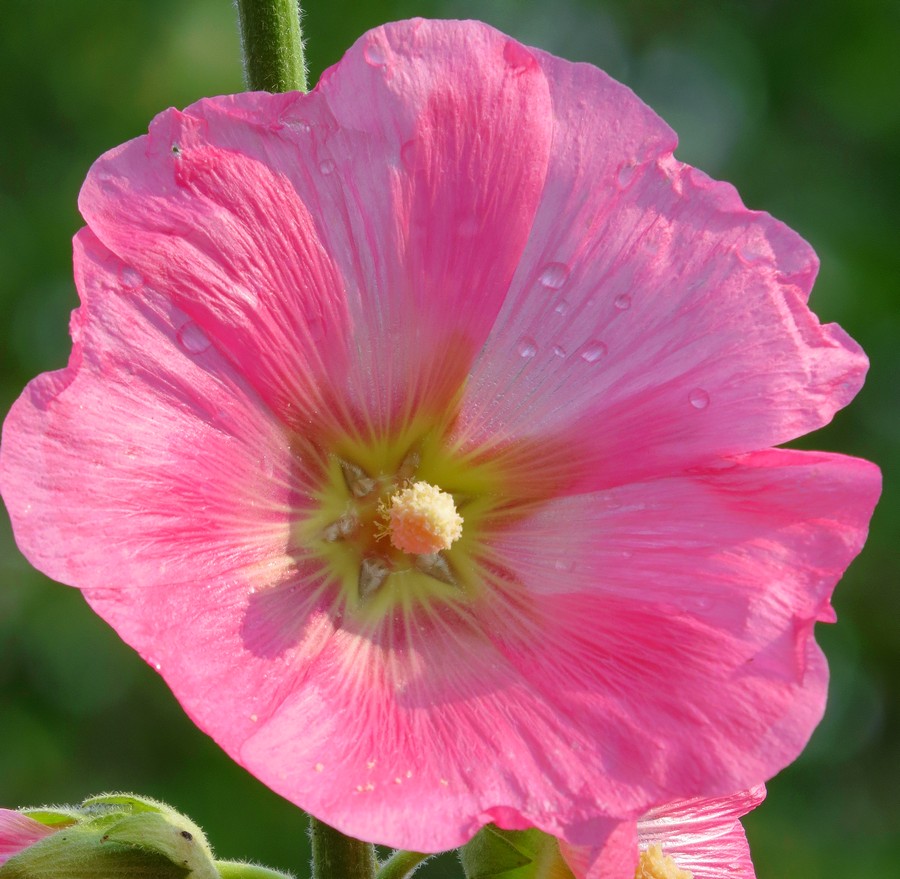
(423, 520)
(655, 865)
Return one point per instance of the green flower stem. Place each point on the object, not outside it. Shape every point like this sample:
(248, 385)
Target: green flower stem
(237, 870)
(401, 865)
(272, 42)
(335, 856)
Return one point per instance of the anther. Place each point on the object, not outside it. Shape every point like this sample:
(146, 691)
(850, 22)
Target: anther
(341, 528)
(358, 481)
(372, 573)
(435, 565)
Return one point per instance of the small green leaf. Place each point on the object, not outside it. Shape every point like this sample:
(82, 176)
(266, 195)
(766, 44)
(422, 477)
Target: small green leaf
(491, 853)
(513, 854)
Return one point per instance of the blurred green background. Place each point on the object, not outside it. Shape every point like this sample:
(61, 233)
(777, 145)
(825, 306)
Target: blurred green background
(796, 103)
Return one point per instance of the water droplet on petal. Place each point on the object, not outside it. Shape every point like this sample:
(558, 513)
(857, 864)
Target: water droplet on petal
(192, 338)
(559, 351)
(626, 172)
(374, 55)
(518, 57)
(561, 307)
(408, 153)
(751, 254)
(623, 302)
(326, 166)
(554, 275)
(564, 565)
(130, 278)
(699, 398)
(527, 347)
(593, 351)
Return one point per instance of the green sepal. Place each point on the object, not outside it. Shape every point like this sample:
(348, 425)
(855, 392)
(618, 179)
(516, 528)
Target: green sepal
(513, 854)
(54, 816)
(161, 835)
(242, 870)
(492, 852)
(81, 853)
(131, 803)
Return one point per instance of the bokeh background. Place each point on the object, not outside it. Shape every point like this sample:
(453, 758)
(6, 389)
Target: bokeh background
(796, 103)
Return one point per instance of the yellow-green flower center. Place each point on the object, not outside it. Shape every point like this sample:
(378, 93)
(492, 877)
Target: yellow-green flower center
(399, 521)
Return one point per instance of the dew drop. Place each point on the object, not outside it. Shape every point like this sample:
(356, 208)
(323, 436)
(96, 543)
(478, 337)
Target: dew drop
(130, 278)
(326, 166)
(561, 307)
(192, 338)
(518, 57)
(750, 254)
(623, 302)
(559, 351)
(527, 347)
(699, 398)
(626, 172)
(408, 153)
(564, 565)
(554, 275)
(593, 351)
(374, 55)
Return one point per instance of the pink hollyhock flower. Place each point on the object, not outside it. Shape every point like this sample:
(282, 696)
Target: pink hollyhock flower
(18, 832)
(417, 431)
(699, 838)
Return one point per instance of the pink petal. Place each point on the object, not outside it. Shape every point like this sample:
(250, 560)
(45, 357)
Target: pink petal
(233, 247)
(702, 835)
(348, 213)
(383, 748)
(148, 438)
(672, 620)
(17, 832)
(651, 309)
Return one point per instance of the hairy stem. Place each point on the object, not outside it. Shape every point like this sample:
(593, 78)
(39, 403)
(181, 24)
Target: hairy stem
(335, 856)
(272, 43)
